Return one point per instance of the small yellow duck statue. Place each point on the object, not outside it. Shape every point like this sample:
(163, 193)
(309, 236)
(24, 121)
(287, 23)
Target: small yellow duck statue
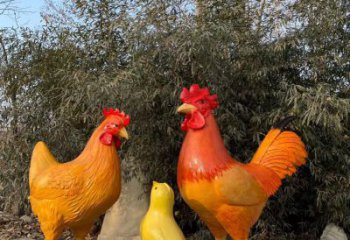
(159, 222)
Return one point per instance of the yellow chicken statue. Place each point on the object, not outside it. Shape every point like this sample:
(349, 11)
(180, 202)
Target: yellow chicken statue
(159, 222)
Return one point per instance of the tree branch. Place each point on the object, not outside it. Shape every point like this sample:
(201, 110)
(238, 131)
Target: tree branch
(4, 50)
(199, 8)
(260, 15)
(6, 6)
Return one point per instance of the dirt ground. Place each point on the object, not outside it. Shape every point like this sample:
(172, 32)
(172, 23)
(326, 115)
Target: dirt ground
(25, 228)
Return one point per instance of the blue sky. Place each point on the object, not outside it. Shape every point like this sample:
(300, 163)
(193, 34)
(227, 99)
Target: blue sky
(29, 16)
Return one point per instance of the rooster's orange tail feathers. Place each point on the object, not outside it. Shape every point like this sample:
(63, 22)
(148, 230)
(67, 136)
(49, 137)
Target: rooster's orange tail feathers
(281, 151)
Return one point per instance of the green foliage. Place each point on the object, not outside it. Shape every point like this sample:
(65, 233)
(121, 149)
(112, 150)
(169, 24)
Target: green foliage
(265, 60)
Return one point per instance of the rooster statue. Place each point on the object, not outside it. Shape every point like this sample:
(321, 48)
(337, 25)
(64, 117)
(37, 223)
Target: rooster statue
(229, 196)
(74, 194)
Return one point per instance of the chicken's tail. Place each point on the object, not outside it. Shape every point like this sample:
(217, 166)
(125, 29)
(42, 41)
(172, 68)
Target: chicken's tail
(42, 158)
(282, 152)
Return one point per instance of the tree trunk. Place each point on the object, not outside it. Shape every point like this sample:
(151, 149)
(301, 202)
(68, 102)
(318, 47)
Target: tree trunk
(14, 123)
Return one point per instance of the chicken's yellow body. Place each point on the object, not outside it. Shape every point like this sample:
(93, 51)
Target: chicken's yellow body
(74, 194)
(159, 223)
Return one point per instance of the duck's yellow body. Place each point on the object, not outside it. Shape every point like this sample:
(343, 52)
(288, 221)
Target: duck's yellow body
(159, 222)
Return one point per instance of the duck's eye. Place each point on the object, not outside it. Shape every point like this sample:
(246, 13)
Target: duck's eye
(155, 188)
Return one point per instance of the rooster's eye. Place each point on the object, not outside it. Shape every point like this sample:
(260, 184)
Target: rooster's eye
(115, 125)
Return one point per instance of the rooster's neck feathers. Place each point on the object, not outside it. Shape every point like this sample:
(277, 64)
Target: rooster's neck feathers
(203, 154)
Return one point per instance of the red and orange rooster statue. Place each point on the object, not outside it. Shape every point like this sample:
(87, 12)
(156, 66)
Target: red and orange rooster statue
(227, 195)
(74, 194)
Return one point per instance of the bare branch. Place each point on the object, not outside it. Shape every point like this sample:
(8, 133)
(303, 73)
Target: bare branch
(7, 7)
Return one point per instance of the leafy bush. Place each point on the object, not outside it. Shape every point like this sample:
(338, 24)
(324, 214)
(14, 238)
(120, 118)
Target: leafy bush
(264, 60)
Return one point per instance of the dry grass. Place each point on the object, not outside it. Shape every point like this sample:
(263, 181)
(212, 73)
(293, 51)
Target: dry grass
(26, 228)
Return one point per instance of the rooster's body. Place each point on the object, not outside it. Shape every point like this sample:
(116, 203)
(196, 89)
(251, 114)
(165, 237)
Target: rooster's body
(227, 195)
(74, 194)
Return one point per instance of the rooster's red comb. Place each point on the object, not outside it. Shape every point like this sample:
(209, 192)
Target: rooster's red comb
(110, 111)
(196, 93)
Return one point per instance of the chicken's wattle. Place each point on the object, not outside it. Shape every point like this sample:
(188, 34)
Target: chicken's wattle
(193, 120)
(108, 139)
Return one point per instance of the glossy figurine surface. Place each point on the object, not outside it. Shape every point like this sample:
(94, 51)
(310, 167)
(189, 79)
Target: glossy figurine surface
(229, 196)
(159, 222)
(74, 194)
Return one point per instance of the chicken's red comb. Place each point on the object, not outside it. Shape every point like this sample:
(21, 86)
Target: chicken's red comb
(110, 111)
(196, 93)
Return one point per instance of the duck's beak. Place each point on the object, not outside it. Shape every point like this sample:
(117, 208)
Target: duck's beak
(123, 133)
(186, 108)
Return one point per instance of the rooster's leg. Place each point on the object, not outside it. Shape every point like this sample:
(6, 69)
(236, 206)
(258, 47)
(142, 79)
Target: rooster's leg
(51, 232)
(238, 220)
(214, 226)
(81, 232)
(50, 225)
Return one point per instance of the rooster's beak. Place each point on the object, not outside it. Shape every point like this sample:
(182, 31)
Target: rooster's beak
(186, 108)
(123, 133)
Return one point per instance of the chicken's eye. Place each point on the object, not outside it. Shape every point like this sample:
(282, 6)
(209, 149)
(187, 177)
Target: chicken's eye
(115, 125)
(201, 101)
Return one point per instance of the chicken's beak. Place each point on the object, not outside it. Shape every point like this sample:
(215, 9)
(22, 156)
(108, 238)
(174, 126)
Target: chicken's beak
(123, 133)
(186, 108)
(155, 183)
